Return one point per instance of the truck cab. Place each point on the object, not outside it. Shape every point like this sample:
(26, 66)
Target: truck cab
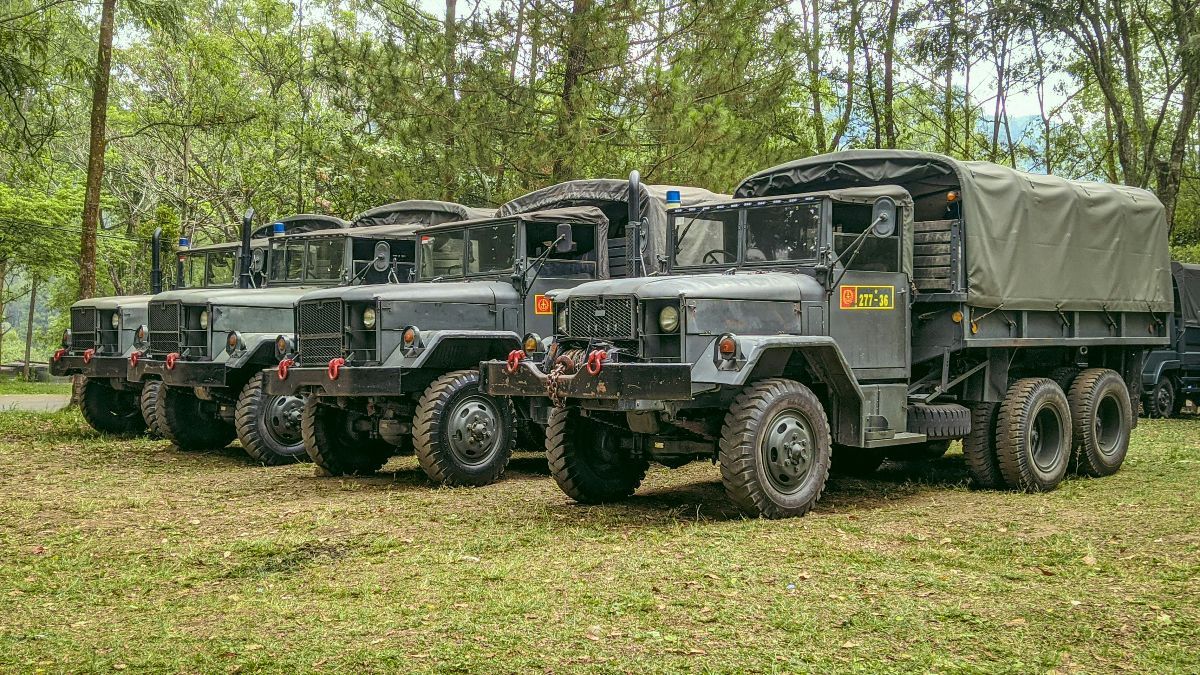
(209, 348)
(1172, 374)
(854, 306)
(389, 368)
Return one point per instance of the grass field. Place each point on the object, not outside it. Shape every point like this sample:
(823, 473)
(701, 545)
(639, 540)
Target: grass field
(12, 386)
(130, 555)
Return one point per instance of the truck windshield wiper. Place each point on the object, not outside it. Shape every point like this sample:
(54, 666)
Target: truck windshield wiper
(687, 227)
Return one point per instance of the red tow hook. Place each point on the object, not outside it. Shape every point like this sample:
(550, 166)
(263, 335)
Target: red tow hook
(134, 357)
(171, 359)
(282, 370)
(58, 354)
(595, 362)
(335, 366)
(514, 360)
(88, 355)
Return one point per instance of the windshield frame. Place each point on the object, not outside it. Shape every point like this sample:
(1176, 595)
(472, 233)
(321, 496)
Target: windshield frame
(684, 215)
(518, 254)
(277, 245)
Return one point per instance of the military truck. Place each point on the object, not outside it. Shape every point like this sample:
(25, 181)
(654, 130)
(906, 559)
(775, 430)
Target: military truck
(210, 348)
(104, 332)
(409, 377)
(1172, 374)
(845, 305)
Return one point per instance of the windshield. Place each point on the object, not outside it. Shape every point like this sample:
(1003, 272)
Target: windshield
(484, 249)
(297, 260)
(193, 269)
(221, 268)
(773, 234)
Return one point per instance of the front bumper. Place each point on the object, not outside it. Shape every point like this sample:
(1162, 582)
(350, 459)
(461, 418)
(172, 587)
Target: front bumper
(615, 381)
(184, 374)
(100, 367)
(351, 381)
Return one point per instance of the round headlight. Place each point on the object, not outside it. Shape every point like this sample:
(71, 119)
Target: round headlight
(562, 322)
(233, 342)
(369, 317)
(141, 333)
(66, 338)
(116, 320)
(204, 319)
(668, 319)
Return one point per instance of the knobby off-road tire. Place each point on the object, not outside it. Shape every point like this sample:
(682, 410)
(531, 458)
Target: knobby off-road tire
(148, 403)
(775, 449)
(269, 426)
(461, 435)
(187, 422)
(939, 421)
(1101, 419)
(1163, 399)
(110, 411)
(1033, 435)
(333, 444)
(979, 447)
(587, 459)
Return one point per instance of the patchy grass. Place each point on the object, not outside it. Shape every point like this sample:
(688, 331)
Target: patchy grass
(130, 554)
(21, 387)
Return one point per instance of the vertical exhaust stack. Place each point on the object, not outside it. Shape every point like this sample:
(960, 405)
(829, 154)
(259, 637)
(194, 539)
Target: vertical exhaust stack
(183, 244)
(244, 279)
(156, 281)
(633, 233)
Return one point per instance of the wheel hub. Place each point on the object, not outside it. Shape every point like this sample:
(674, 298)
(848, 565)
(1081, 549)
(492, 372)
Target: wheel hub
(283, 418)
(786, 451)
(474, 427)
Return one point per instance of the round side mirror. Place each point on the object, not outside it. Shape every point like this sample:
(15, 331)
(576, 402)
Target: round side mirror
(383, 255)
(258, 260)
(883, 217)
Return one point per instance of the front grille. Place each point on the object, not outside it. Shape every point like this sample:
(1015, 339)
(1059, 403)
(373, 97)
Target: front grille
(606, 318)
(319, 331)
(163, 325)
(83, 328)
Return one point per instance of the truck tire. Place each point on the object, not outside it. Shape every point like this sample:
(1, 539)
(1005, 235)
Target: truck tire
(1033, 435)
(587, 459)
(183, 420)
(461, 435)
(939, 421)
(1064, 376)
(110, 411)
(269, 426)
(845, 460)
(979, 447)
(1160, 400)
(1101, 419)
(148, 404)
(775, 449)
(335, 446)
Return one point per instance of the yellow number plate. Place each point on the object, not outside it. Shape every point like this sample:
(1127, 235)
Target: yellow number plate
(867, 297)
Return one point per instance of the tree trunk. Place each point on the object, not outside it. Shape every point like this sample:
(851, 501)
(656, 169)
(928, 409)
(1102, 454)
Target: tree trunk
(451, 35)
(29, 325)
(95, 170)
(851, 57)
(814, 75)
(948, 73)
(889, 83)
(3, 307)
(576, 63)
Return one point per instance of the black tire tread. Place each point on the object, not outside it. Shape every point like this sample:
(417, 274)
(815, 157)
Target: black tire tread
(186, 430)
(573, 479)
(148, 403)
(939, 421)
(437, 461)
(100, 405)
(1010, 420)
(979, 447)
(333, 452)
(1081, 399)
(245, 421)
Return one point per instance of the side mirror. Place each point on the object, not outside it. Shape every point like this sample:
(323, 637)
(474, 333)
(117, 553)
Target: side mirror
(883, 217)
(258, 259)
(565, 238)
(383, 253)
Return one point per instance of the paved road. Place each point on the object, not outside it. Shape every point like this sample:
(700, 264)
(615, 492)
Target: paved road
(34, 402)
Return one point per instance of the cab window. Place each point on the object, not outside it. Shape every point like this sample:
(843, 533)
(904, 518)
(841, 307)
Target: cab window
(221, 268)
(706, 238)
(579, 262)
(491, 248)
(783, 233)
(324, 260)
(875, 254)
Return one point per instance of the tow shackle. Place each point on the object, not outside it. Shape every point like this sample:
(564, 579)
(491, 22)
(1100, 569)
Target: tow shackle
(335, 367)
(282, 370)
(514, 361)
(595, 362)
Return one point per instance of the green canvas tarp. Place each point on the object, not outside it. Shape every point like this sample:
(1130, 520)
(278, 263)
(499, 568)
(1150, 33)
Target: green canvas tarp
(1031, 241)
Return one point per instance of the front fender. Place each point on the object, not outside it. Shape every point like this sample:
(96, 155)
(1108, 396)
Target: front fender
(760, 357)
(1158, 363)
(259, 351)
(453, 349)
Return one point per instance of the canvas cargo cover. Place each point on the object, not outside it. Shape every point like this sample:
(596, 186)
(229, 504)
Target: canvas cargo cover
(1031, 241)
(1187, 280)
(418, 212)
(300, 223)
(603, 191)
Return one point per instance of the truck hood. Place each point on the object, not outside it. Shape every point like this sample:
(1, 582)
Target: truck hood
(113, 301)
(471, 292)
(779, 286)
(236, 297)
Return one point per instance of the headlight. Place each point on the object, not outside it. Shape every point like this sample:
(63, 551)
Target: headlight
(531, 343)
(116, 320)
(668, 319)
(562, 321)
(233, 342)
(410, 339)
(66, 338)
(204, 319)
(140, 336)
(284, 345)
(369, 317)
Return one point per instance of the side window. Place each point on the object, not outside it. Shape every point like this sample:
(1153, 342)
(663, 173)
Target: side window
(578, 263)
(221, 268)
(874, 254)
